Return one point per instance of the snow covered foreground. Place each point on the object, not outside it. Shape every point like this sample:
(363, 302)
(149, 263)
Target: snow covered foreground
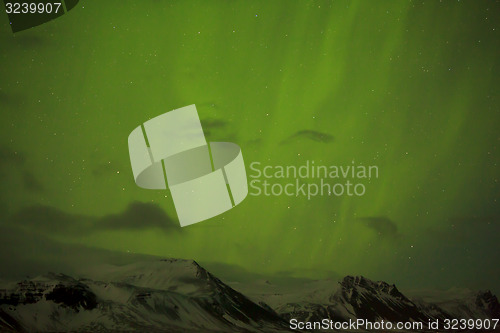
(175, 295)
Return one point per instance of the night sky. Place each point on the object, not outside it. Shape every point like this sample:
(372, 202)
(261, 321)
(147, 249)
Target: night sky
(409, 86)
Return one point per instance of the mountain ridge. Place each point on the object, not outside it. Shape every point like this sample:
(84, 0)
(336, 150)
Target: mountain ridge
(178, 295)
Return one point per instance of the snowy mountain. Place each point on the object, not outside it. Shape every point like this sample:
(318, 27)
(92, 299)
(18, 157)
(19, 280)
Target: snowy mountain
(165, 296)
(180, 296)
(359, 297)
(356, 297)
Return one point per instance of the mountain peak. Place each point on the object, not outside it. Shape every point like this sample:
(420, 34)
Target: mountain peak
(350, 282)
(173, 295)
(186, 262)
(486, 300)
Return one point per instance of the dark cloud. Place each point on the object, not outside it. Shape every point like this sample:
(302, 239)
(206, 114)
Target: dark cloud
(27, 40)
(213, 123)
(30, 41)
(218, 130)
(26, 253)
(10, 156)
(13, 162)
(138, 215)
(50, 220)
(467, 228)
(310, 135)
(9, 99)
(229, 137)
(383, 226)
(31, 183)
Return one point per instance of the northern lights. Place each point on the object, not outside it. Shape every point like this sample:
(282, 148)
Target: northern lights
(409, 86)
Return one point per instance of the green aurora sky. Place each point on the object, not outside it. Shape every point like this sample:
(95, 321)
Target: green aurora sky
(409, 86)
